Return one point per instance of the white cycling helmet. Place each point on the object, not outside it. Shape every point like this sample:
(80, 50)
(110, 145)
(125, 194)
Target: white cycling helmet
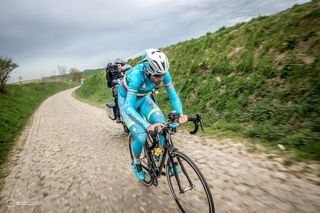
(155, 61)
(119, 61)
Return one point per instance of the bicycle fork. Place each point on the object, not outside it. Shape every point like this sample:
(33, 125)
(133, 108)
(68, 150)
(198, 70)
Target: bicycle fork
(191, 185)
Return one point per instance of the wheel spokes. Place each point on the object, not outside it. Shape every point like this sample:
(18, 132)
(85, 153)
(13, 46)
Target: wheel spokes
(189, 188)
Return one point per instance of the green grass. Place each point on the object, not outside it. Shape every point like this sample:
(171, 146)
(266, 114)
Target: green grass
(17, 106)
(257, 80)
(95, 89)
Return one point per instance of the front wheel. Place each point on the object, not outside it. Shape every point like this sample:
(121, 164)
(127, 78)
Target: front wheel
(187, 184)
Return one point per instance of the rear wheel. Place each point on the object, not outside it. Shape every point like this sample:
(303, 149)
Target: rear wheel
(148, 181)
(193, 194)
(125, 128)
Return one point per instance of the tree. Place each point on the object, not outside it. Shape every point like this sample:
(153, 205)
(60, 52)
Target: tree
(62, 71)
(6, 67)
(76, 74)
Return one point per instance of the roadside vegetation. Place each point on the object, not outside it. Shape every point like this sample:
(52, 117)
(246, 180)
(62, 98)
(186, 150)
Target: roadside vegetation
(95, 90)
(257, 80)
(6, 68)
(16, 107)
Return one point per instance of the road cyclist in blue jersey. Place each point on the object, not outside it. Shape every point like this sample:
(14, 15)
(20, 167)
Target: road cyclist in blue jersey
(140, 113)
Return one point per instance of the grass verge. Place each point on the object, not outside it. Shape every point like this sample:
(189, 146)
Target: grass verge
(18, 105)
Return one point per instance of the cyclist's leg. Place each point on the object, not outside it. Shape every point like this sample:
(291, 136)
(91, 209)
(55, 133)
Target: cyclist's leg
(137, 131)
(151, 111)
(117, 110)
(153, 114)
(115, 96)
(139, 139)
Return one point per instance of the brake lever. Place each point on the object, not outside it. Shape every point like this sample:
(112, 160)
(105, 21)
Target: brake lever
(199, 120)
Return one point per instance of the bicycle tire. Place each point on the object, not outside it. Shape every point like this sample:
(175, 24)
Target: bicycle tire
(193, 206)
(125, 128)
(148, 181)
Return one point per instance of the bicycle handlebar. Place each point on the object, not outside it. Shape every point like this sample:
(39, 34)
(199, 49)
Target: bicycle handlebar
(173, 124)
(197, 121)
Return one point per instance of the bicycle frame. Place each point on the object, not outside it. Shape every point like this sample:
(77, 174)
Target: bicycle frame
(168, 150)
(177, 165)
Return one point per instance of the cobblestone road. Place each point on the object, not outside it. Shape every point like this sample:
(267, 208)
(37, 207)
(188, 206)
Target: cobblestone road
(71, 158)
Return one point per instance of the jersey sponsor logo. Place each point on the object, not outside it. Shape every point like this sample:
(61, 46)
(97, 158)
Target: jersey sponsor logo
(139, 133)
(134, 119)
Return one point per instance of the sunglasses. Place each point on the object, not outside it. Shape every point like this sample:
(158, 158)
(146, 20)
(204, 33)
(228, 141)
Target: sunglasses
(158, 76)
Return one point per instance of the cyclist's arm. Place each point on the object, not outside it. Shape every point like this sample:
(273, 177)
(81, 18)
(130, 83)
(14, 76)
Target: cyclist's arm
(174, 98)
(133, 84)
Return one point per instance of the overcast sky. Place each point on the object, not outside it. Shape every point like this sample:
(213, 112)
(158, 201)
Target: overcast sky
(40, 34)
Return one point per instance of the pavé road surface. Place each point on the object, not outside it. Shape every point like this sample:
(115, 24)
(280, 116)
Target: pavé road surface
(72, 158)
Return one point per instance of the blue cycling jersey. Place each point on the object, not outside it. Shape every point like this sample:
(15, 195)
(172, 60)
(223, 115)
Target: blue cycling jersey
(136, 85)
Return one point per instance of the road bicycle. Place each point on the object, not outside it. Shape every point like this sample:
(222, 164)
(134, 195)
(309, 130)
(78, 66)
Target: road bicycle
(187, 184)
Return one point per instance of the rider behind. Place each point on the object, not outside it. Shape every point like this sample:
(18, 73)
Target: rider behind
(139, 111)
(114, 73)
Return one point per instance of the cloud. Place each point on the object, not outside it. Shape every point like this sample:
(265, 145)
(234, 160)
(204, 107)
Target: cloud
(39, 35)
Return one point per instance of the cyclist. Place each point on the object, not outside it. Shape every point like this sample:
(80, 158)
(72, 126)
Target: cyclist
(139, 111)
(114, 73)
